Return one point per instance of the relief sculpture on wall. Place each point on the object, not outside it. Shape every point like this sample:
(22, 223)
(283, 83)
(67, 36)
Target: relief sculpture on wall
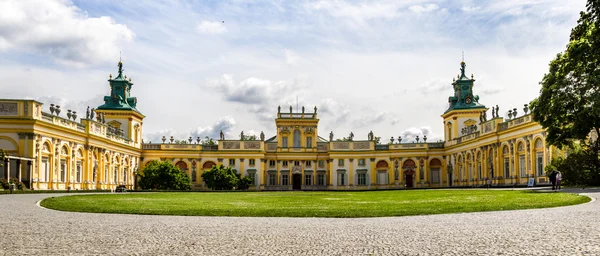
(231, 145)
(8, 109)
(251, 145)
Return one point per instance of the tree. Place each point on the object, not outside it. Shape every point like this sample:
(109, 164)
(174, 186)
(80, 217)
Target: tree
(343, 139)
(163, 175)
(569, 103)
(249, 137)
(208, 141)
(220, 177)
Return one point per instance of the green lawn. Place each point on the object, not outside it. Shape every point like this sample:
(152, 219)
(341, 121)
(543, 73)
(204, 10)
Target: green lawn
(312, 204)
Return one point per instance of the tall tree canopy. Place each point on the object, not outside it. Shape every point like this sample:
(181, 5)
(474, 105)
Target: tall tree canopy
(569, 102)
(163, 175)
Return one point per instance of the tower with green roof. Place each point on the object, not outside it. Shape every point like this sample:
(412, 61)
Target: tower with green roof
(119, 109)
(464, 109)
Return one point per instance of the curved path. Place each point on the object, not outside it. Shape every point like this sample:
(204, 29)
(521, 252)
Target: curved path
(27, 229)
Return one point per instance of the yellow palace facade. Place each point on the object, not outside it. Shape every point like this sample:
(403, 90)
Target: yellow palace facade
(104, 149)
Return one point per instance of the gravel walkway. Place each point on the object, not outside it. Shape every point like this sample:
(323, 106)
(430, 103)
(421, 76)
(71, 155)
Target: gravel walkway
(27, 229)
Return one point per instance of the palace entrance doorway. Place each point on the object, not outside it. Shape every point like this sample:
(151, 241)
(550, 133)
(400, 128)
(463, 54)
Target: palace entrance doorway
(297, 181)
(409, 172)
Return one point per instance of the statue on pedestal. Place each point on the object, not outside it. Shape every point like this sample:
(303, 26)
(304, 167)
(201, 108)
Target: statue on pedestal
(222, 135)
(331, 136)
(262, 136)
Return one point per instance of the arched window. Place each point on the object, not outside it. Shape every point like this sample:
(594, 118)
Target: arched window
(435, 165)
(181, 165)
(208, 165)
(539, 157)
(297, 138)
(506, 155)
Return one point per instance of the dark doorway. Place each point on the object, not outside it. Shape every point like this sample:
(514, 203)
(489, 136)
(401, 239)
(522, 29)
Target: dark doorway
(297, 181)
(409, 180)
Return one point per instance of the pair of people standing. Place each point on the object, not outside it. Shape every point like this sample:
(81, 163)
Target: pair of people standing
(555, 178)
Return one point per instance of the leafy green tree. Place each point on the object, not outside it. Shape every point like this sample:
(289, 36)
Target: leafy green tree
(244, 182)
(249, 137)
(163, 175)
(343, 139)
(220, 177)
(208, 141)
(569, 103)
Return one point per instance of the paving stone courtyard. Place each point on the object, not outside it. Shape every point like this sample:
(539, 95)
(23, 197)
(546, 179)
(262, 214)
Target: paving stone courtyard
(27, 229)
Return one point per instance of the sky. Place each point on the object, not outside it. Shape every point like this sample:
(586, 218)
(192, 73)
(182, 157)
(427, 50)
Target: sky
(199, 67)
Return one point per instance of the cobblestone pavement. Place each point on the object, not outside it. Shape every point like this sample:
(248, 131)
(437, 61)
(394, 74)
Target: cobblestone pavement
(27, 229)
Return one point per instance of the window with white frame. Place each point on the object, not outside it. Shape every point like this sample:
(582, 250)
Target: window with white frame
(296, 163)
(285, 163)
(284, 142)
(506, 168)
(232, 162)
(308, 179)
(46, 169)
(321, 179)
(340, 162)
(272, 179)
(308, 164)
(309, 142)
(341, 179)
(106, 173)
(284, 179)
(271, 162)
(321, 163)
(539, 163)
(362, 179)
(78, 173)
(116, 175)
(251, 162)
(382, 178)
(94, 172)
(522, 166)
(63, 170)
(361, 162)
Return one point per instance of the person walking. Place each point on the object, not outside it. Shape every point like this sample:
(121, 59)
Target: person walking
(558, 179)
(552, 177)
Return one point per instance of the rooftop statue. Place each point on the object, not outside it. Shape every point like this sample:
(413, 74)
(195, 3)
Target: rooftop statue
(222, 135)
(331, 136)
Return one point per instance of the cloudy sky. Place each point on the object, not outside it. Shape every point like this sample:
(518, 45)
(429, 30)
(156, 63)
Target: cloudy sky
(199, 67)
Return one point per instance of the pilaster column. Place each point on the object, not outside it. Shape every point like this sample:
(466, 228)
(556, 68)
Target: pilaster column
(277, 175)
(7, 169)
(18, 170)
(351, 180)
(242, 171)
(373, 172)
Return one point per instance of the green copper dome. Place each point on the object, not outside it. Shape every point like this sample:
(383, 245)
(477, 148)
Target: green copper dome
(463, 93)
(119, 98)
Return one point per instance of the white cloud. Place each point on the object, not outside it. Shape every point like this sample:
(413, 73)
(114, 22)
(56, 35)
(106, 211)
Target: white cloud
(225, 124)
(470, 8)
(60, 30)
(211, 27)
(290, 56)
(423, 8)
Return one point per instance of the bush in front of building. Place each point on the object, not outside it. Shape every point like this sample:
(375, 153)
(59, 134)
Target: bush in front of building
(163, 175)
(220, 177)
(576, 169)
(244, 182)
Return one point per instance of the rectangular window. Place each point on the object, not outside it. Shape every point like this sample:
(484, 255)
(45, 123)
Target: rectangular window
(63, 170)
(506, 168)
(271, 162)
(479, 170)
(272, 179)
(362, 179)
(308, 179)
(321, 179)
(284, 142)
(522, 166)
(321, 163)
(193, 174)
(78, 172)
(361, 162)
(435, 175)
(46, 170)
(251, 162)
(94, 173)
(106, 173)
(116, 175)
(340, 162)
(232, 162)
(285, 163)
(382, 178)
(308, 164)
(309, 142)
(341, 179)
(284, 179)
(540, 164)
(125, 176)
(296, 163)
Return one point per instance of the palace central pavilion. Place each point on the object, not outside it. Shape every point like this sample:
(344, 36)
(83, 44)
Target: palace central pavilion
(104, 149)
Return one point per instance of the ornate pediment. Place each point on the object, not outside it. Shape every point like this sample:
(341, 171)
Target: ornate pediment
(284, 130)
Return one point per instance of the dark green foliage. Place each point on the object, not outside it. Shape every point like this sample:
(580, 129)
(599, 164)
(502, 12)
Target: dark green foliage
(244, 182)
(163, 175)
(569, 103)
(220, 177)
(5, 184)
(2, 157)
(577, 168)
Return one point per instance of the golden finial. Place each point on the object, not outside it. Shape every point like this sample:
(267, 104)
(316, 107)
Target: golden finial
(110, 76)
